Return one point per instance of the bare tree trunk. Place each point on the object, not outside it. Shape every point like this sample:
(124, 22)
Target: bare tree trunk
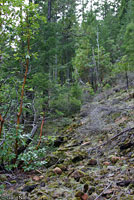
(56, 62)
(98, 66)
(82, 10)
(96, 70)
(49, 10)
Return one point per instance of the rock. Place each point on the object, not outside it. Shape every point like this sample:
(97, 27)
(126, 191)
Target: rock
(106, 163)
(62, 167)
(114, 159)
(57, 170)
(77, 158)
(36, 178)
(107, 192)
(58, 141)
(92, 162)
(29, 188)
(77, 175)
(51, 160)
(112, 168)
(84, 197)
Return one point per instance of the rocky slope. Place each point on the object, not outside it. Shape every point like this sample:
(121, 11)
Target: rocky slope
(94, 159)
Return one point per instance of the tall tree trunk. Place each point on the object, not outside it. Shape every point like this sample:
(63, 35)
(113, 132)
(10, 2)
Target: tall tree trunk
(95, 79)
(98, 66)
(49, 10)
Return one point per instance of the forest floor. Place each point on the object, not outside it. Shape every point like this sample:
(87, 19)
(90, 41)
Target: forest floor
(94, 158)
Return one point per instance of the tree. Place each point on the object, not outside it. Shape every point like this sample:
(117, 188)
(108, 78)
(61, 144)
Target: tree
(16, 53)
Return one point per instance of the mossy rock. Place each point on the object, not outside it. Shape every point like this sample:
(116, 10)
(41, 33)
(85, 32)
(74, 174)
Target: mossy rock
(53, 185)
(51, 160)
(79, 194)
(129, 197)
(79, 156)
(87, 179)
(63, 167)
(70, 183)
(67, 162)
(28, 182)
(44, 197)
(13, 181)
(76, 198)
(60, 154)
(103, 171)
(3, 177)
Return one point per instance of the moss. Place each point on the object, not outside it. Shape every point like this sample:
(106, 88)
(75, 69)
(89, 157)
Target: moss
(103, 171)
(13, 181)
(79, 156)
(63, 167)
(50, 173)
(51, 160)
(115, 115)
(3, 178)
(131, 186)
(28, 183)
(129, 197)
(16, 194)
(44, 197)
(87, 179)
(53, 185)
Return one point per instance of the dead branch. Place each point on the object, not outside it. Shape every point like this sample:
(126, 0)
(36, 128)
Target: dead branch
(41, 130)
(1, 124)
(103, 192)
(117, 135)
(24, 147)
(111, 139)
(4, 137)
(29, 140)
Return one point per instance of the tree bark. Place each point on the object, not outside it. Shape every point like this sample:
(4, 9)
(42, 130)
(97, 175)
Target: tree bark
(49, 10)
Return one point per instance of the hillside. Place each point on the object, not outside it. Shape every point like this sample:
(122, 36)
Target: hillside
(95, 157)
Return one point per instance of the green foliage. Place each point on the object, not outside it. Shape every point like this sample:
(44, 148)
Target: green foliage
(89, 89)
(67, 100)
(107, 86)
(32, 158)
(129, 44)
(63, 52)
(2, 187)
(13, 57)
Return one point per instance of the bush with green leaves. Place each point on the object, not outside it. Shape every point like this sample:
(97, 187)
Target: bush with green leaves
(32, 158)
